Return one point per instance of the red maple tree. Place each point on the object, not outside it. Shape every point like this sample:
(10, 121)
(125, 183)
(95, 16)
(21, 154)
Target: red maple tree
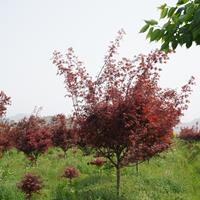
(98, 161)
(62, 135)
(30, 184)
(70, 173)
(32, 136)
(190, 134)
(123, 114)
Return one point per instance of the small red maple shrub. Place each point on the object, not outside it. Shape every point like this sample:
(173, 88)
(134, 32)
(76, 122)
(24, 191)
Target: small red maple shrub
(99, 162)
(4, 101)
(62, 135)
(32, 136)
(124, 114)
(30, 184)
(71, 173)
(190, 134)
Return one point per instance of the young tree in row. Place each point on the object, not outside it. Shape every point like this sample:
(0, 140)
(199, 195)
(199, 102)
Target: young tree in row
(32, 136)
(4, 125)
(5, 142)
(4, 101)
(123, 114)
(181, 25)
(30, 184)
(62, 135)
(70, 173)
(190, 134)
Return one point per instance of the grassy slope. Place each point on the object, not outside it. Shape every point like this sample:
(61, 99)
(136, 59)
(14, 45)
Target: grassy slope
(173, 176)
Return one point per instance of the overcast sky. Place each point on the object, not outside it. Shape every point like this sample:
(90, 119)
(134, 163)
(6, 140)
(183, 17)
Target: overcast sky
(32, 29)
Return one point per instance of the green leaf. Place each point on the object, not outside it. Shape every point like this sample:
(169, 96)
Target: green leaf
(187, 39)
(188, 17)
(151, 22)
(149, 33)
(189, 43)
(175, 18)
(144, 28)
(163, 13)
(165, 46)
(196, 32)
(181, 41)
(162, 6)
(171, 28)
(197, 40)
(174, 44)
(197, 17)
(181, 2)
(171, 11)
(190, 9)
(155, 35)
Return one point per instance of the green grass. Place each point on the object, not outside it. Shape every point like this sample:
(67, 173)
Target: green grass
(174, 175)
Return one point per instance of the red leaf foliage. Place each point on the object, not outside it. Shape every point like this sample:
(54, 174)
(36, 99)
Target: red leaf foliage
(70, 173)
(123, 112)
(62, 135)
(32, 136)
(190, 134)
(5, 142)
(99, 162)
(30, 184)
(4, 101)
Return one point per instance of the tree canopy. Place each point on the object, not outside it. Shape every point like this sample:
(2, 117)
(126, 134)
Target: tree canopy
(123, 114)
(32, 136)
(178, 25)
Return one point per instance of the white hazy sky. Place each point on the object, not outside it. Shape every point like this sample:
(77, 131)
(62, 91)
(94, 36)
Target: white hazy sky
(30, 30)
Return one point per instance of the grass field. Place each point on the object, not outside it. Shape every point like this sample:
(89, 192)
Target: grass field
(174, 175)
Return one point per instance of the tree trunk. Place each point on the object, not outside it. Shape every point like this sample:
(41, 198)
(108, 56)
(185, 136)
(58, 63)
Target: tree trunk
(137, 169)
(28, 196)
(118, 179)
(118, 167)
(65, 154)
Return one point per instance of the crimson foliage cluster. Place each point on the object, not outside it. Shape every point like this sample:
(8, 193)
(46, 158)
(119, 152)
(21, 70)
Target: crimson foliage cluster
(190, 134)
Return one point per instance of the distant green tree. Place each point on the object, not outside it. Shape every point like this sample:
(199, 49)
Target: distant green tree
(181, 25)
